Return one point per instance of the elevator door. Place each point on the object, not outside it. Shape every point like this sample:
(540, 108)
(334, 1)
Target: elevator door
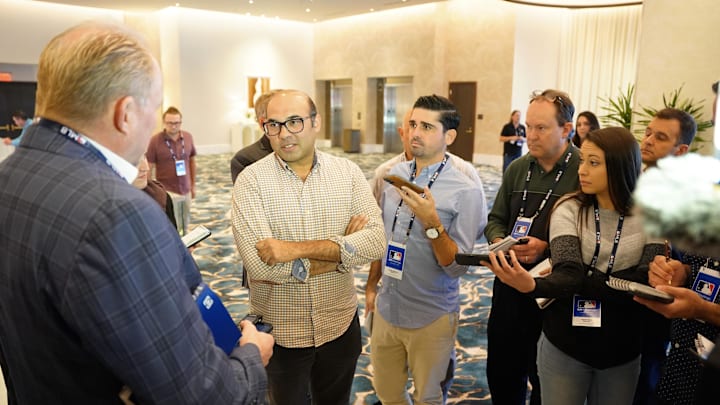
(397, 101)
(341, 110)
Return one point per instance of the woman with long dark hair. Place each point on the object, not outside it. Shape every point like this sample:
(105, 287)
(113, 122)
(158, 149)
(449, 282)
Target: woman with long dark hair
(585, 123)
(589, 351)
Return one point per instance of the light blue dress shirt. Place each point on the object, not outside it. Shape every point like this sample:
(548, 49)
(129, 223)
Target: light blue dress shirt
(427, 290)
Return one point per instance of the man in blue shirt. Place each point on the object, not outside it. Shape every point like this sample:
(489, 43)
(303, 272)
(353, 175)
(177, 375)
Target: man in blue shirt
(20, 119)
(417, 305)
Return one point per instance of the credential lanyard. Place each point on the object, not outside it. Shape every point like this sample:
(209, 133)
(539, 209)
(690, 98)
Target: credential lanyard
(78, 138)
(616, 241)
(430, 183)
(172, 150)
(549, 192)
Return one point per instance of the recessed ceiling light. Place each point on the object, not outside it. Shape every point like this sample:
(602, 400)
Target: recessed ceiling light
(177, 4)
(307, 10)
(251, 1)
(372, 9)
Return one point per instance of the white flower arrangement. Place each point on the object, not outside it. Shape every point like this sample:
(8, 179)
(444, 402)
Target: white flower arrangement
(680, 201)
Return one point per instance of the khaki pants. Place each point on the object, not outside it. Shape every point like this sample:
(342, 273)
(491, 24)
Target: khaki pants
(424, 352)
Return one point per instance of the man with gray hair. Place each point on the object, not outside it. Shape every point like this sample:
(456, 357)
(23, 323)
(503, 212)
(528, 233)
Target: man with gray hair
(96, 284)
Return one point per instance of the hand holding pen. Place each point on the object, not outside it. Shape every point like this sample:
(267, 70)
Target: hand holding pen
(668, 272)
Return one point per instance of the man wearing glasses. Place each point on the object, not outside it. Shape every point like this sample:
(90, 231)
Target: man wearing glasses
(171, 154)
(531, 186)
(301, 220)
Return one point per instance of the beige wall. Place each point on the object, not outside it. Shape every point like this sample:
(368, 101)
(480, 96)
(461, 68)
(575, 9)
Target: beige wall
(679, 45)
(461, 40)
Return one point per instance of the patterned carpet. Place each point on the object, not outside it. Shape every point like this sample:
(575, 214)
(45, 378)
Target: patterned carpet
(218, 260)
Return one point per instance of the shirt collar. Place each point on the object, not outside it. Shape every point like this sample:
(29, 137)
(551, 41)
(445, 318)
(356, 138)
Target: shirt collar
(570, 148)
(127, 170)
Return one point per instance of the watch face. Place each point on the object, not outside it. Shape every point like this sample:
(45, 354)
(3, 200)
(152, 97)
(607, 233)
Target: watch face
(432, 233)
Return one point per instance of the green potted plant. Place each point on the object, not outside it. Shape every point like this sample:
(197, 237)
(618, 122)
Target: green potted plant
(619, 109)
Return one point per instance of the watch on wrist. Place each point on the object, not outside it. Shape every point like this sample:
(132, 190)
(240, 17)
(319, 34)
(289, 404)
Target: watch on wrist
(434, 232)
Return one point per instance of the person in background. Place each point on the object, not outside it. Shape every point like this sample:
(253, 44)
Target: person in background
(589, 350)
(171, 154)
(20, 119)
(258, 150)
(252, 153)
(97, 286)
(302, 219)
(513, 138)
(585, 122)
(530, 187)
(669, 133)
(154, 189)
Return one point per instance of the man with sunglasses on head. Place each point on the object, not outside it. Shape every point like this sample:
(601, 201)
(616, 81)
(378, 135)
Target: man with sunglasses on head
(302, 219)
(171, 154)
(531, 185)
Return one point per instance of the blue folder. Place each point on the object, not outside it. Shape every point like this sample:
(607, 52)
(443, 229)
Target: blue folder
(224, 330)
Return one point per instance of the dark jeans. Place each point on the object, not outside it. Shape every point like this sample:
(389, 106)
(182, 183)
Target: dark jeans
(327, 371)
(513, 331)
(508, 158)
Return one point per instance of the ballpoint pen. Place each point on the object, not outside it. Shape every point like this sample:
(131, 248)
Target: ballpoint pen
(667, 257)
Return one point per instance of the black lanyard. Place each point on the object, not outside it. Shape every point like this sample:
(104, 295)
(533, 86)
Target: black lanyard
(616, 241)
(430, 183)
(172, 151)
(549, 193)
(78, 138)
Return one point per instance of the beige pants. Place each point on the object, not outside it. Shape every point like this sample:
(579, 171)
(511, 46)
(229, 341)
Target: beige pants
(424, 352)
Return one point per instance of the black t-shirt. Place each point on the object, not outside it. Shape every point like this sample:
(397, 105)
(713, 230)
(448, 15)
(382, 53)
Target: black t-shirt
(513, 147)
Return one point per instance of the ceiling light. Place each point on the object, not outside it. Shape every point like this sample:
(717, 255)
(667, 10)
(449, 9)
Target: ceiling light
(251, 1)
(307, 10)
(577, 3)
(372, 9)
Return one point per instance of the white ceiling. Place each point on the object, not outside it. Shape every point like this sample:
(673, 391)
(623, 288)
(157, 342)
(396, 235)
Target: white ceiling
(295, 10)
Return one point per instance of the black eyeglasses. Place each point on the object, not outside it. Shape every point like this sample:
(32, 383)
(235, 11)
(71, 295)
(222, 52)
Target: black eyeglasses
(294, 125)
(565, 111)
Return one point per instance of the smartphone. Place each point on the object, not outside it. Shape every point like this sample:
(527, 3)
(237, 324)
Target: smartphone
(473, 259)
(258, 322)
(195, 236)
(398, 182)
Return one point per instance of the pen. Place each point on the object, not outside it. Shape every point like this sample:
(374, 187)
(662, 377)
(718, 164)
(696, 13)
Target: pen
(667, 257)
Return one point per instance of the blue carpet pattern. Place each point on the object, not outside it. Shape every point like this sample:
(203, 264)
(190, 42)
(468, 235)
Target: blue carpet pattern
(219, 263)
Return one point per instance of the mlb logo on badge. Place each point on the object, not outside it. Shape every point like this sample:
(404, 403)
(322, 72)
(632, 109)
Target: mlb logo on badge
(397, 256)
(706, 284)
(587, 304)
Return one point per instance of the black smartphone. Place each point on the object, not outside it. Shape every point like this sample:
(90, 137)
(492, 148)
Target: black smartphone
(258, 322)
(523, 241)
(474, 259)
(398, 182)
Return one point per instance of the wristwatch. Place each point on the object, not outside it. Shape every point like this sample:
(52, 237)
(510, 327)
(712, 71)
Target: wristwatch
(434, 233)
